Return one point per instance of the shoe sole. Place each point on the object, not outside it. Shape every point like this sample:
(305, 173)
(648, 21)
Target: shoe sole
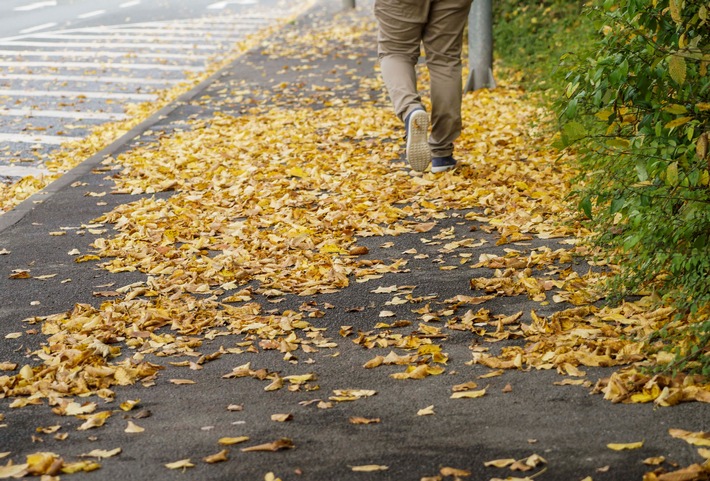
(418, 153)
(437, 170)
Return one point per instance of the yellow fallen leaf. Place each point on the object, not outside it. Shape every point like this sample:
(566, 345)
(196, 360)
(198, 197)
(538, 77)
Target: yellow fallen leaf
(75, 409)
(182, 381)
(343, 395)
(133, 428)
(696, 439)
(459, 473)
(654, 461)
(130, 404)
(181, 464)
(369, 468)
(624, 446)
(500, 463)
(427, 411)
(281, 418)
(469, 394)
(85, 466)
(466, 386)
(230, 441)
(217, 457)
(278, 445)
(361, 420)
(374, 362)
(50, 429)
(101, 453)
(13, 471)
(43, 463)
(705, 453)
(94, 420)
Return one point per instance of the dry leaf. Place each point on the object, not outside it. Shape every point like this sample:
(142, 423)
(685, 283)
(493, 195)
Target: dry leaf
(281, 418)
(361, 420)
(182, 464)
(230, 441)
(13, 471)
(500, 463)
(459, 473)
(466, 386)
(624, 446)
(697, 438)
(182, 381)
(278, 445)
(129, 405)
(101, 453)
(427, 411)
(469, 394)
(654, 461)
(94, 420)
(344, 395)
(217, 458)
(369, 468)
(133, 428)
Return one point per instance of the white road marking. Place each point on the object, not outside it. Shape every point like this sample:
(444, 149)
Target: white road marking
(92, 79)
(22, 171)
(95, 53)
(36, 139)
(152, 35)
(222, 5)
(77, 95)
(125, 66)
(130, 4)
(155, 46)
(61, 114)
(44, 26)
(34, 6)
(92, 14)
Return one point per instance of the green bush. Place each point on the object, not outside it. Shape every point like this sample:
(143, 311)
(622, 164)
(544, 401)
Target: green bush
(638, 110)
(532, 37)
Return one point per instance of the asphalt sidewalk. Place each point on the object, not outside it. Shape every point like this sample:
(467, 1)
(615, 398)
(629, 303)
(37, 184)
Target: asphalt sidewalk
(225, 381)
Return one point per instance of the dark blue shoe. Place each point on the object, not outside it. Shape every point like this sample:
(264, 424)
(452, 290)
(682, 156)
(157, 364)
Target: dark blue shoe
(442, 164)
(418, 153)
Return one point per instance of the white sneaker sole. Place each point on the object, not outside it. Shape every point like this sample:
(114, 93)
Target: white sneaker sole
(418, 153)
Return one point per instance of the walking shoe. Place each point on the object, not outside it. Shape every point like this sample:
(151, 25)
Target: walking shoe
(418, 153)
(442, 164)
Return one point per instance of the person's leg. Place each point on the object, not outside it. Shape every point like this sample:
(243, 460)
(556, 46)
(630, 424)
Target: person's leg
(443, 42)
(400, 26)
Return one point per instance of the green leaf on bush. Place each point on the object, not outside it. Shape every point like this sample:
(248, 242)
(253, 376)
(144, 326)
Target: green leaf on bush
(678, 122)
(586, 206)
(676, 109)
(677, 69)
(573, 131)
(672, 174)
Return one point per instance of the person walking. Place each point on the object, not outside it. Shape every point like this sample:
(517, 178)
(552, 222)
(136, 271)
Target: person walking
(403, 27)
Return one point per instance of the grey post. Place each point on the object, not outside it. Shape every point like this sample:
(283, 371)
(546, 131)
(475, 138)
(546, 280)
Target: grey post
(480, 46)
(348, 3)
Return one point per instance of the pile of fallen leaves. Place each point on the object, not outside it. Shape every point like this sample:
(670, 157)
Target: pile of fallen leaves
(274, 201)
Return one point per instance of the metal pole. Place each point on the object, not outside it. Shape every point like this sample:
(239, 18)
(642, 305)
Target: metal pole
(348, 3)
(480, 46)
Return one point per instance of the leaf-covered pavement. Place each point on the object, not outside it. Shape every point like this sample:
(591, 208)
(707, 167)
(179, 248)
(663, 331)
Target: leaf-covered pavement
(279, 286)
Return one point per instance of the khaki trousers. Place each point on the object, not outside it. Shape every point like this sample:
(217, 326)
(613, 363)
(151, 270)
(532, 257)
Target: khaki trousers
(438, 25)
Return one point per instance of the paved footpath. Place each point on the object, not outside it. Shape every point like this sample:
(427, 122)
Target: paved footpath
(344, 422)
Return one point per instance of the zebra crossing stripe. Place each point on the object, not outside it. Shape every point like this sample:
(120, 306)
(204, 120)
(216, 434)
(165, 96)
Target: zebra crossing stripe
(36, 139)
